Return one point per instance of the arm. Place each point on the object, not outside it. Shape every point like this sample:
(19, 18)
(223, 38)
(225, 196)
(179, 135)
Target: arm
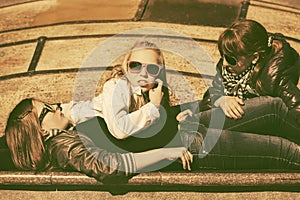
(69, 151)
(120, 121)
(216, 97)
(214, 92)
(83, 110)
(145, 159)
(281, 81)
(80, 154)
(290, 94)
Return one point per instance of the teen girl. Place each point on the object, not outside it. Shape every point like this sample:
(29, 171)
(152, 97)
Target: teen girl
(253, 66)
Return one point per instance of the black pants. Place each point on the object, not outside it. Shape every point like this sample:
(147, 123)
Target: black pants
(214, 148)
(229, 150)
(159, 135)
(262, 115)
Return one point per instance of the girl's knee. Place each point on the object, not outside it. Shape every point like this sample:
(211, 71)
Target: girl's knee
(278, 104)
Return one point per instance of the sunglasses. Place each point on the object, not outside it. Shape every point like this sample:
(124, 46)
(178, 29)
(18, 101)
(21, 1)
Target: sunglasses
(46, 109)
(136, 67)
(231, 60)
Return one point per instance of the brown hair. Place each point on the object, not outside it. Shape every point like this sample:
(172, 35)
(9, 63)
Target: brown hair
(244, 37)
(24, 138)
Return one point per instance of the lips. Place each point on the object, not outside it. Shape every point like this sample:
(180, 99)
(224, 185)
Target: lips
(143, 83)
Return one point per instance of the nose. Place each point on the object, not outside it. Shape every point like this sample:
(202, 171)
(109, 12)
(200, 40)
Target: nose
(58, 107)
(143, 72)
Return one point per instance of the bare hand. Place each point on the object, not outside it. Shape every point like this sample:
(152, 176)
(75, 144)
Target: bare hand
(183, 115)
(156, 94)
(231, 106)
(182, 153)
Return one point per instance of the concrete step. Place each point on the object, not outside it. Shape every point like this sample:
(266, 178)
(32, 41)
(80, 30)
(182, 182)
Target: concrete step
(155, 181)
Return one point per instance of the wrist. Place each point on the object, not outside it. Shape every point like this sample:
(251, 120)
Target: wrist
(218, 102)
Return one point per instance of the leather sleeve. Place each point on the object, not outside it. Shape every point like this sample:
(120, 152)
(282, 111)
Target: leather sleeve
(281, 80)
(290, 94)
(70, 151)
(214, 92)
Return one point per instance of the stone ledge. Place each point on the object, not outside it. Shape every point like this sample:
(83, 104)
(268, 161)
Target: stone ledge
(162, 179)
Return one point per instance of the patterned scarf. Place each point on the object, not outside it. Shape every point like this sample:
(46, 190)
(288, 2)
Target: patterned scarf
(238, 85)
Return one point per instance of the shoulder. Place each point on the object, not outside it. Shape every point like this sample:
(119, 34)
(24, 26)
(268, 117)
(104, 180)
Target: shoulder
(68, 140)
(284, 53)
(121, 85)
(114, 82)
(63, 138)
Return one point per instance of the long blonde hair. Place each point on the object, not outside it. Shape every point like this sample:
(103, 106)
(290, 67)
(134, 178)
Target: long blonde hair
(24, 138)
(120, 70)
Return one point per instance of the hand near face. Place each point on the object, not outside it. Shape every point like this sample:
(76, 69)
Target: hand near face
(156, 94)
(231, 106)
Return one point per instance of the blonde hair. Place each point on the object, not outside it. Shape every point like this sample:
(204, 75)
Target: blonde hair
(24, 138)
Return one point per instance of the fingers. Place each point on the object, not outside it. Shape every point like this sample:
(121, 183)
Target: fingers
(186, 159)
(232, 108)
(240, 101)
(160, 83)
(183, 115)
(235, 111)
(156, 94)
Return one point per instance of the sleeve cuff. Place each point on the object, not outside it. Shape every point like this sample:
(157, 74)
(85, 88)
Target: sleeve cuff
(129, 163)
(154, 111)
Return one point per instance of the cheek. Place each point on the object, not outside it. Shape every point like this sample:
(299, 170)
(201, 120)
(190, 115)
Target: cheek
(132, 78)
(241, 67)
(55, 121)
(61, 123)
(151, 79)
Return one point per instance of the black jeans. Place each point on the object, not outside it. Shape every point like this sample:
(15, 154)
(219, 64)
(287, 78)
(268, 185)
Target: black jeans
(262, 115)
(229, 150)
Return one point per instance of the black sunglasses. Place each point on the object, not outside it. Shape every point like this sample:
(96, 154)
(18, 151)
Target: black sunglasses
(231, 60)
(136, 67)
(48, 108)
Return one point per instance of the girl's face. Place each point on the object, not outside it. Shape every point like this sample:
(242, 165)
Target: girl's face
(50, 116)
(143, 68)
(237, 64)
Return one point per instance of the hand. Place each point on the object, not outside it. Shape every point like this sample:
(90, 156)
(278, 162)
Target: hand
(156, 94)
(231, 106)
(183, 115)
(182, 153)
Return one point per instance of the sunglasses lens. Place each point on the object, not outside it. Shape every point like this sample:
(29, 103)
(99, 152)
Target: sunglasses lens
(135, 66)
(230, 60)
(153, 69)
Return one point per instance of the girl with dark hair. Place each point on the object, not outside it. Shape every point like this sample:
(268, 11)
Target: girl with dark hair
(254, 64)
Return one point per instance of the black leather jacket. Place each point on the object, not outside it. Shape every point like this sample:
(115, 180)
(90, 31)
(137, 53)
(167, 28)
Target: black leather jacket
(278, 78)
(70, 151)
